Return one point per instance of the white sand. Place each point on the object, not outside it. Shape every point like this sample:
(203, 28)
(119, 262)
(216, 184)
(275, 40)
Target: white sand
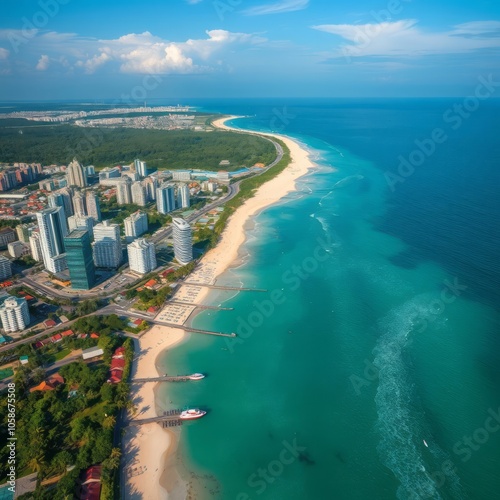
(150, 447)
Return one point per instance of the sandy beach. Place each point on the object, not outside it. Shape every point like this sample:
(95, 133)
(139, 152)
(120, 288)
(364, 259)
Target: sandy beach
(149, 471)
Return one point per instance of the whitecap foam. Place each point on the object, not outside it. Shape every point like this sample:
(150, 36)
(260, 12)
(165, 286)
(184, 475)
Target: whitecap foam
(400, 423)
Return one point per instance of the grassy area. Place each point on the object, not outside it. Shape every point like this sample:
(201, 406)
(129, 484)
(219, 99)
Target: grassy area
(104, 147)
(62, 354)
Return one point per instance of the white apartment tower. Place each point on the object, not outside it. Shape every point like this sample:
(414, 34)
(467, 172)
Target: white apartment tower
(135, 225)
(14, 313)
(141, 168)
(183, 242)
(107, 247)
(36, 246)
(76, 174)
(93, 207)
(139, 194)
(79, 204)
(84, 223)
(141, 256)
(183, 196)
(123, 191)
(52, 227)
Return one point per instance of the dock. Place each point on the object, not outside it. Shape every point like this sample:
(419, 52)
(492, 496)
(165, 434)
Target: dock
(168, 419)
(166, 378)
(193, 330)
(201, 306)
(223, 287)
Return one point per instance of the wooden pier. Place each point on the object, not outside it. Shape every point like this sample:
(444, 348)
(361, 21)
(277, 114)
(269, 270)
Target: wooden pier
(223, 287)
(193, 330)
(169, 418)
(166, 378)
(201, 306)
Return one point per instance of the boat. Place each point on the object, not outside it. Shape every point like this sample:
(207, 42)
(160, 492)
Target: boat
(192, 414)
(426, 445)
(196, 376)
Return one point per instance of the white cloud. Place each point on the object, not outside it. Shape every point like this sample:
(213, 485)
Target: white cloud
(43, 63)
(405, 39)
(4, 54)
(277, 8)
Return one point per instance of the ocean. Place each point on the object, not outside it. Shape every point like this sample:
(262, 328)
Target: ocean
(370, 369)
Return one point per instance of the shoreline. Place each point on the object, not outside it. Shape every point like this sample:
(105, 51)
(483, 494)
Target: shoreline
(151, 447)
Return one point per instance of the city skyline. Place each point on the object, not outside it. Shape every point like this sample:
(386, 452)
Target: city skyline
(288, 48)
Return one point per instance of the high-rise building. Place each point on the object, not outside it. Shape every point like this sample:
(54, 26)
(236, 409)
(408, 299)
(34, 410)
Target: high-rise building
(165, 198)
(183, 196)
(79, 204)
(135, 225)
(109, 173)
(67, 195)
(52, 227)
(36, 246)
(24, 232)
(5, 268)
(141, 256)
(107, 246)
(151, 185)
(93, 207)
(139, 195)
(123, 191)
(84, 223)
(79, 259)
(76, 174)
(141, 168)
(7, 235)
(14, 313)
(181, 175)
(183, 241)
(57, 200)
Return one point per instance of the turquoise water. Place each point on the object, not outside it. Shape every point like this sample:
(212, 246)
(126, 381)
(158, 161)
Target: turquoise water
(381, 332)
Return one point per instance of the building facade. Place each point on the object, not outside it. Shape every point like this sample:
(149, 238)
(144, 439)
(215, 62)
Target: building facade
(52, 227)
(7, 235)
(5, 268)
(141, 168)
(135, 225)
(165, 199)
(36, 246)
(139, 194)
(107, 246)
(79, 208)
(85, 223)
(93, 206)
(183, 196)
(181, 175)
(79, 259)
(183, 240)
(123, 191)
(141, 256)
(14, 313)
(76, 174)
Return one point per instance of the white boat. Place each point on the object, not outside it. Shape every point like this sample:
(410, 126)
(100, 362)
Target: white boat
(196, 376)
(426, 445)
(192, 414)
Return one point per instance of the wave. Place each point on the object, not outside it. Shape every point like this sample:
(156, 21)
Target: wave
(348, 180)
(400, 421)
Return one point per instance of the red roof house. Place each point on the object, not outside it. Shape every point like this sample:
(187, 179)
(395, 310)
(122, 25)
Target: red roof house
(49, 323)
(91, 483)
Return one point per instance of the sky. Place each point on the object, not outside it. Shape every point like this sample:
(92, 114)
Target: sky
(127, 49)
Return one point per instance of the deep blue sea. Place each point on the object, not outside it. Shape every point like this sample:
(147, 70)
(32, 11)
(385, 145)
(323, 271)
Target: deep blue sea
(371, 367)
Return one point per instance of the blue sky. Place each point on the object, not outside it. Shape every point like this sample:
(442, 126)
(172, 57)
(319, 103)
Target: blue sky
(73, 49)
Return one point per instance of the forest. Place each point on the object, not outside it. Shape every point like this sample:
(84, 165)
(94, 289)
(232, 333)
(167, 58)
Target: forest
(102, 147)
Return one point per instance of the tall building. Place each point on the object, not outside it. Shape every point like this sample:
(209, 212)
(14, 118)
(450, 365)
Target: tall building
(93, 206)
(139, 195)
(123, 191)
(84, 222)
(5, 268)
(57, 200)
(76, 174)
(183, 241)
(109, 173)
(23, 232)
(7, 235)
(36, 246)
(53, 229)
(141, 168)
(79, 204)
(181, 175)
(141, 256)
(165, 199)
(183, 196)
(79, 259)
(151, 185)
(67, 196)
(135, 225)
(107, 247)
(14, 313)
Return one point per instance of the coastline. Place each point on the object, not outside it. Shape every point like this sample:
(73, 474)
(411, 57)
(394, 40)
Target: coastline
(151, 447)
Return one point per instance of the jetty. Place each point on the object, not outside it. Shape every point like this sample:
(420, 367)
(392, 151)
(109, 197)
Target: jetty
(166, 378)
(169, 418)
(200, 306)
(224, 287)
